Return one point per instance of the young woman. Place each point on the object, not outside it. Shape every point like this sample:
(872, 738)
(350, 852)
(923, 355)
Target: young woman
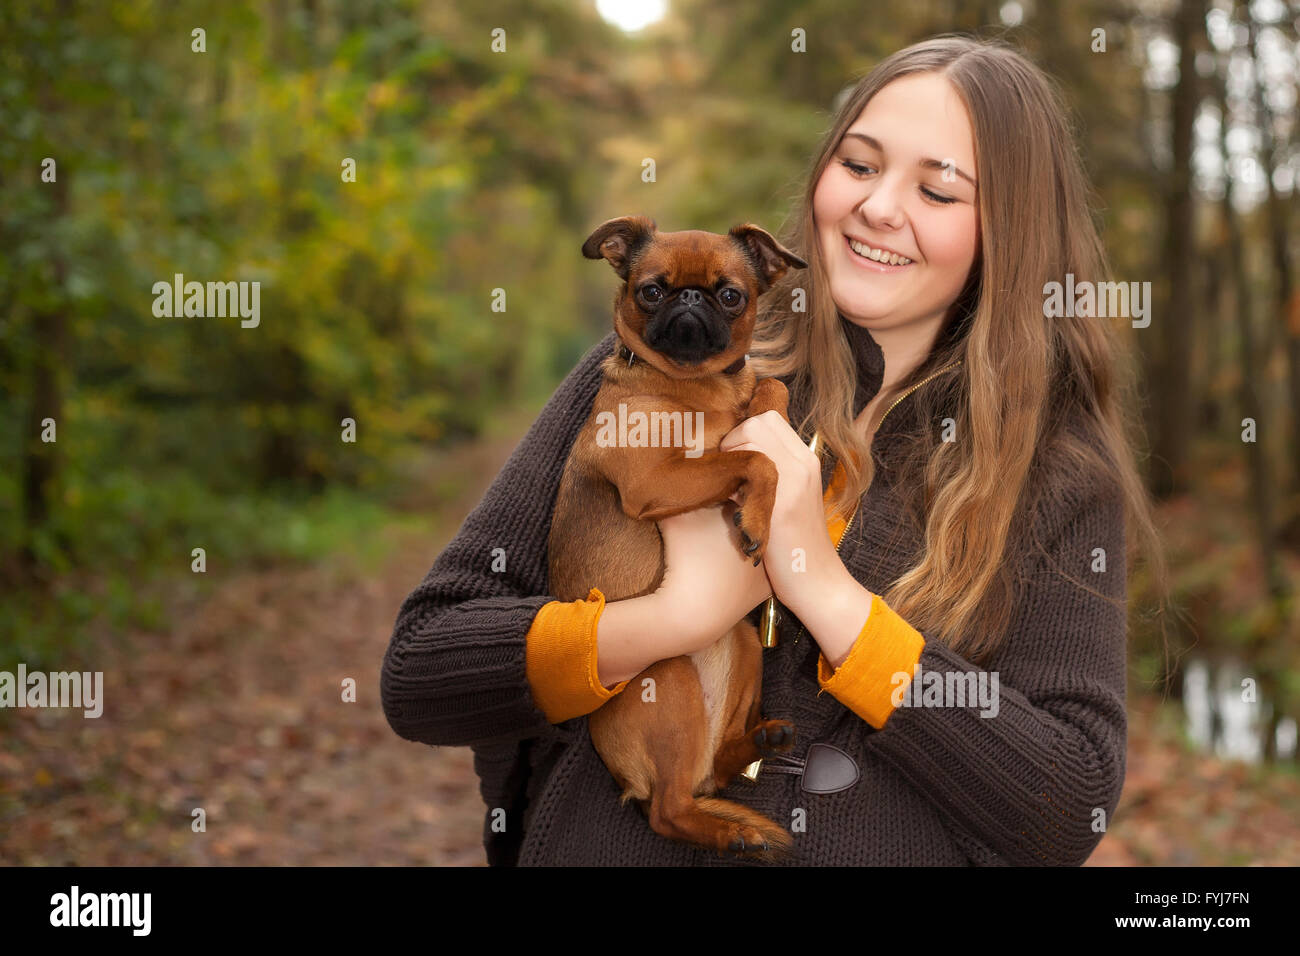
(954, 623)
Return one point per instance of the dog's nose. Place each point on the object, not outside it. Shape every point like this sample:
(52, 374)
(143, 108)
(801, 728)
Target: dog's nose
(688, 332)
(690, 297)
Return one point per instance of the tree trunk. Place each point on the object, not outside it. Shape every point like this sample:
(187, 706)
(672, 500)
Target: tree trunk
(1283, 284)
(1261, 484)
(1173, 345)
(1210, 339)
(41, 460)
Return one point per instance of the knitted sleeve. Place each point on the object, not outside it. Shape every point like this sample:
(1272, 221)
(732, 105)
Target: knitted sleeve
(1031, 772)
(455, 670)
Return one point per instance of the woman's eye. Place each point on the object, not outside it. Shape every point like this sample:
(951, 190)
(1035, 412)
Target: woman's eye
(730, 298)
(857, 171)
(938, 198)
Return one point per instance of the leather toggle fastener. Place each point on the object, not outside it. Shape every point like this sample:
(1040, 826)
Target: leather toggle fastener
(827, 769)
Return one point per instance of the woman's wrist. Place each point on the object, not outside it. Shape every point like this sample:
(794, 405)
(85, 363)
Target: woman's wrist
(636, 632)
(834, 609)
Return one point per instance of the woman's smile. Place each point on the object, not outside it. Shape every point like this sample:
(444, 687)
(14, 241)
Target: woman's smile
(876, 258)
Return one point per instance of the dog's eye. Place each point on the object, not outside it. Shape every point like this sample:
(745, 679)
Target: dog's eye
(730, 298)
(652, 293)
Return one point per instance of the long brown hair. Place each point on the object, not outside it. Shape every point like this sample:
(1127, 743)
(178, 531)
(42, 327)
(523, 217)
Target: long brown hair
(1022, 375)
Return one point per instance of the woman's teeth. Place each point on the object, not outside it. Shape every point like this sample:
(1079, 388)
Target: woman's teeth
(878, 255)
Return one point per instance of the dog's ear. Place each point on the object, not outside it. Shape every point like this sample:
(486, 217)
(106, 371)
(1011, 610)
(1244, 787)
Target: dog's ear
(618, 240)
(770, 258)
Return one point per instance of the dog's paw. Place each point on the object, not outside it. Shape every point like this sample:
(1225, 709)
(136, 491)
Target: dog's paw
(752, 537)
(773, 736)
(747, 841)
(770, 394)
(769, 843)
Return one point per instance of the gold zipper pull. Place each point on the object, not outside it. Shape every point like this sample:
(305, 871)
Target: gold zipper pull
(767, 624)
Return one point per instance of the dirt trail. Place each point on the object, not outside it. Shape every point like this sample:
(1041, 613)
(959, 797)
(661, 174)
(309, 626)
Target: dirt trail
(238, 710)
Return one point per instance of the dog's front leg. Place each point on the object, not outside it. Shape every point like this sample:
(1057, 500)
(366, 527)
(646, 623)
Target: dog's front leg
(769, 395)
(673, 486)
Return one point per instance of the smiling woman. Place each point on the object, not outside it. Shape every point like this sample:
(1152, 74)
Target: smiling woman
(962, 523)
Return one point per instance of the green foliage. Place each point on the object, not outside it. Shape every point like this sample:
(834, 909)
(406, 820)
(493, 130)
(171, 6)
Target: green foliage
(227, 165)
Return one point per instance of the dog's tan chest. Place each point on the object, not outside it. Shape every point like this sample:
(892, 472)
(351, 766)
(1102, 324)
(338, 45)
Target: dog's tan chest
(713, 664)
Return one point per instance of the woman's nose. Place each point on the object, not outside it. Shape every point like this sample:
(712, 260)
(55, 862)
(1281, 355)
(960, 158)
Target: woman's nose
(882, 207)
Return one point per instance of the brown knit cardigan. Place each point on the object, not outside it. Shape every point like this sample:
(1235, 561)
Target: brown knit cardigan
(1036, 784)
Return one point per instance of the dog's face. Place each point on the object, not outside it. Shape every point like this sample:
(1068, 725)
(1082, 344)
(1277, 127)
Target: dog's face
(688, 297)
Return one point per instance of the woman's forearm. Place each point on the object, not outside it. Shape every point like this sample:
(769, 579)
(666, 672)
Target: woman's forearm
(707, 586)
(633, 634)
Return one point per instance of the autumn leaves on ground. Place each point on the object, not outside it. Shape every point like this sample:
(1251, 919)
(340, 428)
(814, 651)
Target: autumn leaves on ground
(236, 708)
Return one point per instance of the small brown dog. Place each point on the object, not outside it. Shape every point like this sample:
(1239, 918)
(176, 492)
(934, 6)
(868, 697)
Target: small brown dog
(684, 316)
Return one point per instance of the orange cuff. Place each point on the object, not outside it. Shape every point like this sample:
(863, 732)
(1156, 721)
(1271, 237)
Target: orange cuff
(561, 658)
(866, 681)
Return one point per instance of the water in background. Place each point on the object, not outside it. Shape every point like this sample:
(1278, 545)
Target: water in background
(1219, 719)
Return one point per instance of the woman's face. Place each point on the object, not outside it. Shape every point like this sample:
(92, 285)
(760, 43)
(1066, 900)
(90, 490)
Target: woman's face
(901, 182)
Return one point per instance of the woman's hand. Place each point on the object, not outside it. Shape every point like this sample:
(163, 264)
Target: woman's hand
(802, 566)
(708, 585)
